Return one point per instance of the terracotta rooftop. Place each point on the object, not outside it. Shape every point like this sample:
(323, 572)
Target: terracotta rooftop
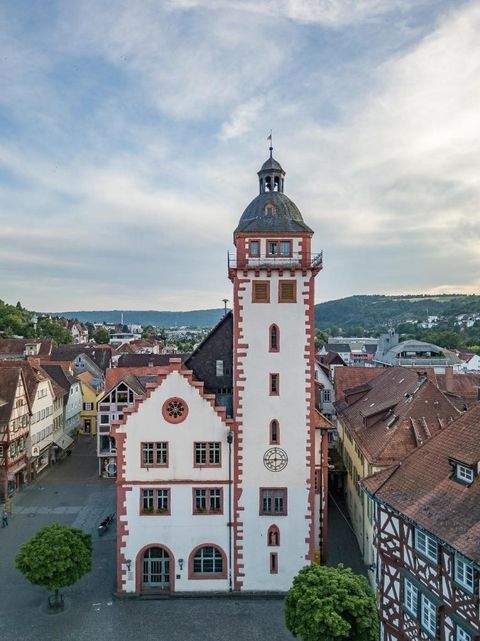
(15, 347)
(399, 412)
(422, 487)
(8, 386)
(347, 377)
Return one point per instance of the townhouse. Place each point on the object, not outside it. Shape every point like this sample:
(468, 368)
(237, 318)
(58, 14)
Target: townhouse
(427, 537)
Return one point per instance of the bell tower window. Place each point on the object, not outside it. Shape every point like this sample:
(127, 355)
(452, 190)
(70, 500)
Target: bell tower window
(274, 338)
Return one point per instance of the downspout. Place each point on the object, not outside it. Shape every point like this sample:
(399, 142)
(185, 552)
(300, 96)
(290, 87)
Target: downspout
(230, 523)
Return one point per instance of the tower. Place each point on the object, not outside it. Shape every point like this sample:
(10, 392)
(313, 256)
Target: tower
(273, 276)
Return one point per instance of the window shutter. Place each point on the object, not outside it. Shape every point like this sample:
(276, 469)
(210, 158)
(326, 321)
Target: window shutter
(287, 291)
(261, 291)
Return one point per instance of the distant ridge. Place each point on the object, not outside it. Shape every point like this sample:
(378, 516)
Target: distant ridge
(367, 311)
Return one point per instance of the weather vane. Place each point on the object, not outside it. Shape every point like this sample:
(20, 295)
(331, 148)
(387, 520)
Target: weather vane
(269, 137)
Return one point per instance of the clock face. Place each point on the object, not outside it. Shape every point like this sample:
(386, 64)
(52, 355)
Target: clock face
(275, 459)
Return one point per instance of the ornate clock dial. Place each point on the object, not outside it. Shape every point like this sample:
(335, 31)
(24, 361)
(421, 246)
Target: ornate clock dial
(275, 459)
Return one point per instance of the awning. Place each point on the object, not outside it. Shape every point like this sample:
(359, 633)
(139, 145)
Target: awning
(64, 441)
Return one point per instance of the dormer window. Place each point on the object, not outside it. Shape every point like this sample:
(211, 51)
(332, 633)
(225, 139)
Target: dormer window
(270, 209)
(464, 473)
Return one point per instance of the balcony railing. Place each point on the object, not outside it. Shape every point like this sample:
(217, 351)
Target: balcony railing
(297, 260)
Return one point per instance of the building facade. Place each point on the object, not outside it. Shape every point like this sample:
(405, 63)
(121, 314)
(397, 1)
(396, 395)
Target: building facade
(212, 503)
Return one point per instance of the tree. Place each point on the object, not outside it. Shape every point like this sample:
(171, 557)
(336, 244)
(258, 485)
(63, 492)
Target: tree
(56, 557)
(331, 604)
(101, 335)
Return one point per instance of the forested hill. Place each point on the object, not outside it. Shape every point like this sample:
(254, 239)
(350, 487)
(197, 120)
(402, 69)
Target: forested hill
(194, 318)
(372, 313)
(376, 311)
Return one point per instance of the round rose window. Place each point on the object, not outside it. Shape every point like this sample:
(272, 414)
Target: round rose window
(175, 410)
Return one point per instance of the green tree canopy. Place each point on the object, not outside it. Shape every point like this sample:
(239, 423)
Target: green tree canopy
(57, 556)
(331, 604)
(101, 335)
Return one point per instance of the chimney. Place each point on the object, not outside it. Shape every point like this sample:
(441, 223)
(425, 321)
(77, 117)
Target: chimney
(449, 378)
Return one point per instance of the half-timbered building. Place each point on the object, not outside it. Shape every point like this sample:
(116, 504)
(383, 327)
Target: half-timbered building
(427, 538)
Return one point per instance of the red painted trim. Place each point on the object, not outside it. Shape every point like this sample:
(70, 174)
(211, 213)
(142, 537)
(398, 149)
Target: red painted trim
(207, 575)
(207, 454)
(272, 440)
(273, 563)
(208, 511)
(274, 388)
(255, 298)
(310, 390)
(168, 416)
(273, 536)
(273, 328)
(139, 569)
(155, 447)
(281, 298)
(284, 491)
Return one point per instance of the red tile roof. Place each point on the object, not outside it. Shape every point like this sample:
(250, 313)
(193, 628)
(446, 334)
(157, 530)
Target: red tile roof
(347, 377)
(422, 488)
(400, 412)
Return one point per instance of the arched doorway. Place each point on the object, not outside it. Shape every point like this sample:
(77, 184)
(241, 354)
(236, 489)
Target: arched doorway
(156, 570)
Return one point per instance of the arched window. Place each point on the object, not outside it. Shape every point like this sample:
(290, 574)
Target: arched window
(274, 338)
(274, 432)
(273, 536)
(207, 562)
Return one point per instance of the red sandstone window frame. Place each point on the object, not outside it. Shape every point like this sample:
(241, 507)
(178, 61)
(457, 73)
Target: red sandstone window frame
(318, 480)
(274, 344)
(273, 562)
(155, 492)
(257, 244)
(276, 492)
(274, 432)
(207, 575)
(155, 450)
(278, 242)
(208, 510)
(255, 297)
(281, 297)
(273, 536)
(274, 384)
(208, 448)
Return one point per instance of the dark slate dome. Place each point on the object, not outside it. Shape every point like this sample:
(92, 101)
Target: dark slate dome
(271, 210)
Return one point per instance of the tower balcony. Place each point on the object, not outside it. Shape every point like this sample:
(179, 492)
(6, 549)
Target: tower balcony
(296, 260)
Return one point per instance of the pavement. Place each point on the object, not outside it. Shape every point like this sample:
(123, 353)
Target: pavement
(342, 544)
(71, 493)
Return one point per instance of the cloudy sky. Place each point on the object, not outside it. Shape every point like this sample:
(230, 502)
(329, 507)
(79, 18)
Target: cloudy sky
(131, 132)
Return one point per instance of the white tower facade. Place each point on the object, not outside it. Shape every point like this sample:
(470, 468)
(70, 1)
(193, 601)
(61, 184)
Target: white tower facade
(273, 364)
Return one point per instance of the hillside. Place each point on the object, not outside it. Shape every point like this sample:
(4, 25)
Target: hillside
(194, 318)
(371, 313)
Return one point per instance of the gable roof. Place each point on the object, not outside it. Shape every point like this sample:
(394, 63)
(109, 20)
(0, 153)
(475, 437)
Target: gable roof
(148, 360)
(399, 412)
(349, 377)
(332, 358)
(58, 374)
(8, 387)
(15, 347)
(422, 487)
(101, 355)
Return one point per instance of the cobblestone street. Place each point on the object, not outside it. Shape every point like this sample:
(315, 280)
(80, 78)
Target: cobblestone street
(72, 493)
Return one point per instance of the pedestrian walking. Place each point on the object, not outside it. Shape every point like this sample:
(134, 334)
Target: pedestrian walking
(4, 518)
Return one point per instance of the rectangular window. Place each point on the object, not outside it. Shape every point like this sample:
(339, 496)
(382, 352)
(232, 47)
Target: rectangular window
(155, 501)
(285, 248)
(274, 385)
(426, 545)
(279, 247)
(464, 573)
(411, 598)
(260, 291)
(464, 473)
(88, 407)
(155, 454)
(254, 248)
(104, 419)
(207, 454)
(208, 500)
(326, 395)
(219, 368)
(462, 635)
(429, 616)
(273, 501)
(287, 291)
(273, 563)
(272, 248)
